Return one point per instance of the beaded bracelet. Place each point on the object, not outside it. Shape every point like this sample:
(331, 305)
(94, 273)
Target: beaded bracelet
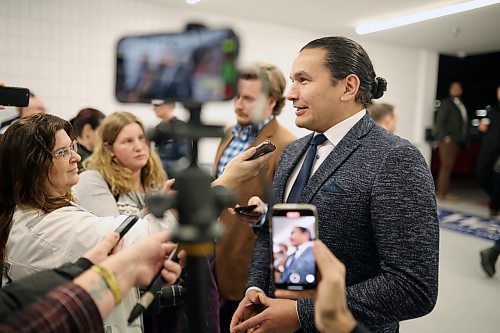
(110, 280)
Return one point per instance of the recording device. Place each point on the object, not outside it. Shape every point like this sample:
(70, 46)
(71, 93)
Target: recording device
(125, 226)
(262, 149)
(14, 96)
(194, 66)
(245, 209)
(293, 229)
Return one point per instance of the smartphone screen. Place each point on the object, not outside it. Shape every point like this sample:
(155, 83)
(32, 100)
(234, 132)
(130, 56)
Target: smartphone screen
(193, 66)
(293, 229)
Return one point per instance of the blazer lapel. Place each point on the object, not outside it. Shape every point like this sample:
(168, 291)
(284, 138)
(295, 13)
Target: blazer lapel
(351, 141)
(289, 159)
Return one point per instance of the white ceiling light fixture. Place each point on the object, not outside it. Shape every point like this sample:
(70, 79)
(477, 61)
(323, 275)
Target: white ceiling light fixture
(370, 27)
(192, 2)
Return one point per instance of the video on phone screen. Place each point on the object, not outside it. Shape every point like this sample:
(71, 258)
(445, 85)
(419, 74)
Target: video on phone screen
(293, 236)
(191, 66)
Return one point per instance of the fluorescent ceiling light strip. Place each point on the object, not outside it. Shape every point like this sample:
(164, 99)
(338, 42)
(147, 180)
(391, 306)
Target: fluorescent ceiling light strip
(367, 28)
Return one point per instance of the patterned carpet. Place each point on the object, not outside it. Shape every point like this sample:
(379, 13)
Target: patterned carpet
(467, 223)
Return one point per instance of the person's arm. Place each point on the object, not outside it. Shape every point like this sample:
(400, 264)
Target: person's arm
(21, 293)
(80, 306)
(406, 231)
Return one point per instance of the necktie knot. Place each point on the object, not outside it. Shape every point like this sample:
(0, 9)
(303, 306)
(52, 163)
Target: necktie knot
(318, 140)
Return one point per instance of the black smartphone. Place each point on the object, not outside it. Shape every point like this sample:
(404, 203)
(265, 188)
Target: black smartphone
(294, 227)
(192, 66)
(14, 96)
(262, 149)
(245, 209)
(125, 226)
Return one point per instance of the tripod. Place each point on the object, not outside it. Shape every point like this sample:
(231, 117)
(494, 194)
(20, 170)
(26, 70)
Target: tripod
(199, 206)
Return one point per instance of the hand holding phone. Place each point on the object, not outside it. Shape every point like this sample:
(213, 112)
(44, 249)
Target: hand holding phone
(262, 149)
(125, 226)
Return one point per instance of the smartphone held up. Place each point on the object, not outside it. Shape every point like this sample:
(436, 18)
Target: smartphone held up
(294, 227)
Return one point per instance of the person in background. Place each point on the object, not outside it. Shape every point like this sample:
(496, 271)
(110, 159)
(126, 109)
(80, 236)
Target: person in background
(488, 175)
(451, 130)
(117, 177)
(170, 148)
(384, 115)
(81, 305)
(373, 192)
(35, 106)
(259, 100)
(85, 126)
(121, 169)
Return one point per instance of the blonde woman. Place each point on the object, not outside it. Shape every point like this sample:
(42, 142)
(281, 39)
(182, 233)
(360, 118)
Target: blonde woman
(121, 169)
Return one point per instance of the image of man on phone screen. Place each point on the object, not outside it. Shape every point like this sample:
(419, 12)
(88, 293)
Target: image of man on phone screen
(299, 266)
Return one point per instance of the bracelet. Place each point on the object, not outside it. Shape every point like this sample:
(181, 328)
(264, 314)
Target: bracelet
(110, 280)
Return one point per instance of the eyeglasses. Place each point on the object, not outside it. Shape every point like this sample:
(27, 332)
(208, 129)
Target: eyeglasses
(63, 152)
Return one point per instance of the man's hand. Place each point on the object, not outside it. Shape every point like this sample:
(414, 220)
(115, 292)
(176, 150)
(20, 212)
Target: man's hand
(279, 315)
(249, 306)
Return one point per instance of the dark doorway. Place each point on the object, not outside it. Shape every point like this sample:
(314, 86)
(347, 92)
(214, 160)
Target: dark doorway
(479, 76)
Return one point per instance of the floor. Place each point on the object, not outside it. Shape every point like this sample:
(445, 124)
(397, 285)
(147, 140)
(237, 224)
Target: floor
(468, 301)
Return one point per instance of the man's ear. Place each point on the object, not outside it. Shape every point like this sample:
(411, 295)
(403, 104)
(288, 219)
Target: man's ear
(351, 88)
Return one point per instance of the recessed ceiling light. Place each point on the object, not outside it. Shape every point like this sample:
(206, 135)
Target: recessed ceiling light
(370, 27)
(192, 2)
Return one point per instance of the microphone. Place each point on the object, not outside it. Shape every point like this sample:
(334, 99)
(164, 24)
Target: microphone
(149, 295)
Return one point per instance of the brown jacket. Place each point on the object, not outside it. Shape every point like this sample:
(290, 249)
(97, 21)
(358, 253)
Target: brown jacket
(233, 253)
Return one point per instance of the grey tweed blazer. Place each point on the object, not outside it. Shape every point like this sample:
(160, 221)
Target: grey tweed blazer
(377, 214)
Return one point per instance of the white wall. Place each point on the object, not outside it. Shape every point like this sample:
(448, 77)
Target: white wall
(63, 50)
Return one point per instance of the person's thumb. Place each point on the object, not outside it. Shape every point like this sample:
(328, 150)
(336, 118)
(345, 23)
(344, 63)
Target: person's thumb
(264, 300)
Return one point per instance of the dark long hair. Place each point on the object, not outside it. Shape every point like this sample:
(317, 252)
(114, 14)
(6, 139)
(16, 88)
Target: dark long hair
(25, 162)
(86, 116)
(344, 57)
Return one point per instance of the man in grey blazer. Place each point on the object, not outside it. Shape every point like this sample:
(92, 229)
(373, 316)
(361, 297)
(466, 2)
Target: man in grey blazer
(374, 194)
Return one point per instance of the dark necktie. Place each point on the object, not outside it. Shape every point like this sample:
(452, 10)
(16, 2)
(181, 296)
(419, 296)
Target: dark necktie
(305, 171)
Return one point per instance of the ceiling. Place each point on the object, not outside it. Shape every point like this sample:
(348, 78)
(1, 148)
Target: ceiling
(472, 32)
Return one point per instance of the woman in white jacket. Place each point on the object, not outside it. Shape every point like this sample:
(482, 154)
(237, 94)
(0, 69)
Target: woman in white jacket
(38, 167)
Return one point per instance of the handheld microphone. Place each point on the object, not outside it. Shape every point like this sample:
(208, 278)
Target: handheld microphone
(149, 295)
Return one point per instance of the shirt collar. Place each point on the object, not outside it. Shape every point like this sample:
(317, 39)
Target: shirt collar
(337, 132)
(244, 133)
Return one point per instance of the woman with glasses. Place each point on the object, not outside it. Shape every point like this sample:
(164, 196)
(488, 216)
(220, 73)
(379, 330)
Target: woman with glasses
(41, 227)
